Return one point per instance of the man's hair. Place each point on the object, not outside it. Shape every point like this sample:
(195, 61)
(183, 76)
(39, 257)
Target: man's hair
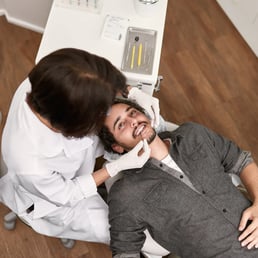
(106, 137)
(73, 90)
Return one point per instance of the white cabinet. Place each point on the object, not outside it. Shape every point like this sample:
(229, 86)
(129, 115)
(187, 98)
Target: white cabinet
(69, 27)
(31, 14)
(244, 15)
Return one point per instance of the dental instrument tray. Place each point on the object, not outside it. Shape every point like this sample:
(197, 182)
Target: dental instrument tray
(139, 50)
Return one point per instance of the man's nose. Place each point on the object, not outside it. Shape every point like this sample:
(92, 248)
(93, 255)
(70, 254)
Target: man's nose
(133, 122)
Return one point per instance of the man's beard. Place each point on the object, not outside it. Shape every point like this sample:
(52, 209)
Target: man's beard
(152, 137)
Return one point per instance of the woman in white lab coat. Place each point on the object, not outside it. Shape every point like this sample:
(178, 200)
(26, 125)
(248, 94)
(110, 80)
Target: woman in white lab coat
(49, 145)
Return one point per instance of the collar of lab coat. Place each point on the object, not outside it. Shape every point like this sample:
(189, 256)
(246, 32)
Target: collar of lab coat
(49, 142)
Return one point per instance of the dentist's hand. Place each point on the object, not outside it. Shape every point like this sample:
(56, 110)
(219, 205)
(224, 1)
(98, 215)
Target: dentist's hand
(132, 159)
(149, 103)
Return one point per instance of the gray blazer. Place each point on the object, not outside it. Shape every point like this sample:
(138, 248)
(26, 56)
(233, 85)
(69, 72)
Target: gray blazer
(195, 215)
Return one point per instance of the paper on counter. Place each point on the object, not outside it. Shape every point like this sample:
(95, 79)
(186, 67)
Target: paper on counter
(115, 28)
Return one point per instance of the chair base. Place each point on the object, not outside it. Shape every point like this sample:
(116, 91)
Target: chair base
(10, 221)
(68, 243)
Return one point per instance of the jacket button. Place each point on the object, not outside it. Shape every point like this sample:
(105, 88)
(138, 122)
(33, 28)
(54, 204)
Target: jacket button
(181, 176)
(203, 192)
(224, 210)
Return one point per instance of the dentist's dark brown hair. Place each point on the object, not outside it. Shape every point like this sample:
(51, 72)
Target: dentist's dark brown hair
(73, 90)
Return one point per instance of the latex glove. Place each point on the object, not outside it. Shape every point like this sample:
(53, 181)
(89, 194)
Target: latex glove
(130, 160)
(149, 103)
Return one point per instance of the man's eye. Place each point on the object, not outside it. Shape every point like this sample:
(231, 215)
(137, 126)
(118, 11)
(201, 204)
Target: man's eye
(133, 113)
(120, 126)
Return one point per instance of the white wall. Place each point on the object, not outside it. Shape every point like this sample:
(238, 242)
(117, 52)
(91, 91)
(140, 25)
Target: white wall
(31, 14)
(2, 7)
(244, 15)
(1, 4)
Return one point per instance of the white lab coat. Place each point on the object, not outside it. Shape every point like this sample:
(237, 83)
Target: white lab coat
(52, 173)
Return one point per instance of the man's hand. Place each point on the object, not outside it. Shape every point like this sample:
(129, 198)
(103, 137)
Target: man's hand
(149, 103)
(249, 236)
(133, 159)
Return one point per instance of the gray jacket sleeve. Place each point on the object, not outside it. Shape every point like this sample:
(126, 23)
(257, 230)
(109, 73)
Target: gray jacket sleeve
(244, 159)
(126, 229)
(127, 236)
(232, 157)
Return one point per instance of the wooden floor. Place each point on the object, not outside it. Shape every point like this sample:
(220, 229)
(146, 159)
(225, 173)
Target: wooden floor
(210, 73)
(210, 76)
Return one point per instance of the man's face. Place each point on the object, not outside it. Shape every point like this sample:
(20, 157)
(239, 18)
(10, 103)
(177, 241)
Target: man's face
(128, 126)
